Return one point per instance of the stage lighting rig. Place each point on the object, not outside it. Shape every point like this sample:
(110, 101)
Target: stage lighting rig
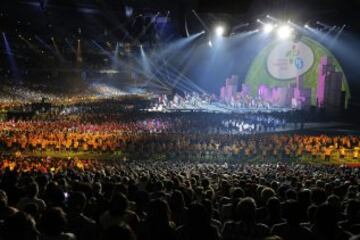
(220, 30)
(268, 27)
(284, 32)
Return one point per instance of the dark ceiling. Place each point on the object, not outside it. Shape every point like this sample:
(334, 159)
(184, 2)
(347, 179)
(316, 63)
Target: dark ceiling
(331, 12)
(344, 10)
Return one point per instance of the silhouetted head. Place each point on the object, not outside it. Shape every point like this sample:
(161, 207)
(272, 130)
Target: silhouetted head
(77, 201)
(246, 210)
(53, 221)
(20, 226)
(118, 204)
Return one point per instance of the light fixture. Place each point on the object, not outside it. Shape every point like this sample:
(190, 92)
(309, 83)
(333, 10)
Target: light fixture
(268, 27)
(284, 32)
(220, 30)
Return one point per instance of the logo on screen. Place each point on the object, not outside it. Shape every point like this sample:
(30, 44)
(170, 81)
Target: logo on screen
(288, 59)
(299, 63)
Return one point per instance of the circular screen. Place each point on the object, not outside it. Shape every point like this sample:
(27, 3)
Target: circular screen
(280, 63)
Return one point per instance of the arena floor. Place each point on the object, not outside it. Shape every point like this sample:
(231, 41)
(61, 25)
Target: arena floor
(309, 128)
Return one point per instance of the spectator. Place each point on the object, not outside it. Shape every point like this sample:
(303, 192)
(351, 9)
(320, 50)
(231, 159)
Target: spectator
(53, 225)
(291, 229)
(198, 225)
(82, 226)
(247, 227)
(157, 224)
(273, 208)
(352, 222)
(118, 213)
(5, 209)
(32, 191)
(326, 226)
(20, 226)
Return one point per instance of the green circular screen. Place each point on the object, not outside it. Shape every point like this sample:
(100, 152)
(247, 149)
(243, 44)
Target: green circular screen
(279, 64)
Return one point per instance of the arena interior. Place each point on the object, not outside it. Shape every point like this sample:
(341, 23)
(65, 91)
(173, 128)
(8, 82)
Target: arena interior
(181, 119)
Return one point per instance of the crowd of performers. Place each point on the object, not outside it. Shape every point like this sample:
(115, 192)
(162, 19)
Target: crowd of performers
(196, 100)
(192, 147)
(142, 135)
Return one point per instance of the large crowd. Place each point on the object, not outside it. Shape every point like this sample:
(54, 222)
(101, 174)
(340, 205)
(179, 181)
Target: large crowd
(108, 127)
(173, 176)
(145, 139)
(74, 199)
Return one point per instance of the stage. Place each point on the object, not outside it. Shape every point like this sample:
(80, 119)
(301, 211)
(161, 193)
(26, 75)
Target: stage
(217, 107)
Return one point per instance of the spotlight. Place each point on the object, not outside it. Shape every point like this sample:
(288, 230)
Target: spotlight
(220, 30)
(268, 16)
(306, 26)
(210, 43)
(258, 20)
(284, 32)
(268, 27)
(203, 32)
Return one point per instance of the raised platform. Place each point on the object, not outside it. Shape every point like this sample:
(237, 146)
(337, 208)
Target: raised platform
(218, 108)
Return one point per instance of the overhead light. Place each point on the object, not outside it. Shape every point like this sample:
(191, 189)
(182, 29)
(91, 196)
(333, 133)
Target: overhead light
(268, 27)
(284, 32)
(210, 43)
(220, 30)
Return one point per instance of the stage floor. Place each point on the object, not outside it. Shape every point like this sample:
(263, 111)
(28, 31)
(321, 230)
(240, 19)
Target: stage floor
(218, 108)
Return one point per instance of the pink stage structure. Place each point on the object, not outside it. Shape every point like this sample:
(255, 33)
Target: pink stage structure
(229, 91)
(295, 95)
(328, 93)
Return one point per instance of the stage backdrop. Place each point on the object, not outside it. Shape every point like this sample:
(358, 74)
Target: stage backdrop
(281, 62)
